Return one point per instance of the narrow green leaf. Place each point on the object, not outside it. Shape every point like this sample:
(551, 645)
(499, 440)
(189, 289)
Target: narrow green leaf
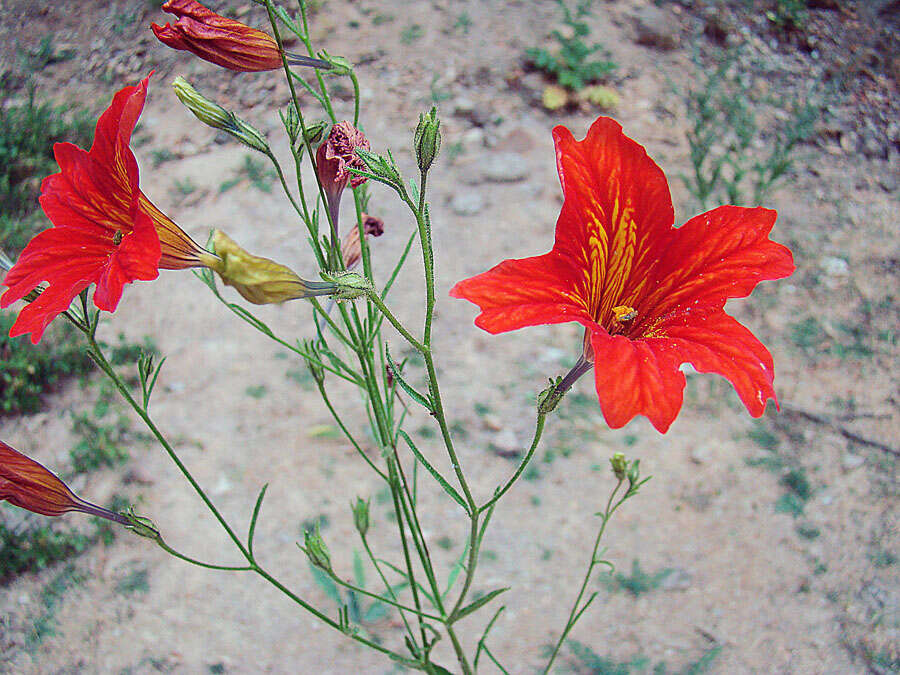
(326, 583)
(359, 573)
(449, 489)
(413, 394)
(255, 516)
(479, 603)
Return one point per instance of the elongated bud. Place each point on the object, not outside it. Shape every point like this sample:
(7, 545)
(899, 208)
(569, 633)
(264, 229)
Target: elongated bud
(361, 515)
(211, 113)
(5, 263)
(316, 370)
(634, 473)
(315, 132)
(291, 121)
(316, 550)
(427, 139)
(350, 285)
(260, 280)
(619, 465)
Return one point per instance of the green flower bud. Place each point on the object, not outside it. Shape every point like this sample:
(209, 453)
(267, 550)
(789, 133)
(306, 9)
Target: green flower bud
(291, 122)
(427, 140)
(314, 133)
(361, 515)
(619, 465)
(211, 113)
(317, 371)
(316, 550)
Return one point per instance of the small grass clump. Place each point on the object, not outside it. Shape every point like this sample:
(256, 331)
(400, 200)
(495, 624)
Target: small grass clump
(571, 64)
(638, 582)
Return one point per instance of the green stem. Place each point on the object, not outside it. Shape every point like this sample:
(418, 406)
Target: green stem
(346, 431)
(376, 300)
(228, 568)
(409, 663)
(100, 360)
(538, 432)
(393, 603)
(387, 585)
(575, 614)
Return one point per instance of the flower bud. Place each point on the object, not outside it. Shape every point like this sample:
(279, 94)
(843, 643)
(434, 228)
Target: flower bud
(350, 285)
(5, 263)
(211, 113)
(361, 515)
(427, 139)
(315, 132)
(292, 123)
(260, 280)
(619, 465)
(634, 473)
(316, 550)
(317, 371)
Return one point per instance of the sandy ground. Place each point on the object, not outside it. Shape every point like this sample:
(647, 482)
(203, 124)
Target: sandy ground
(744, 579)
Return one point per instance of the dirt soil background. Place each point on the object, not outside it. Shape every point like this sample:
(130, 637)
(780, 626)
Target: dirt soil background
(754, 584)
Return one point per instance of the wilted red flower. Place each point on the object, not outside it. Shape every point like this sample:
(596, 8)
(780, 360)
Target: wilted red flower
(27, 484)
(106, 232)
(333, 159)
(650, 296)
(351, 249)
(223, 41)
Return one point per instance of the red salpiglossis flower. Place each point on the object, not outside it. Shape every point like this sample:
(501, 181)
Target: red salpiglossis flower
(650, 295)
(101, 236)
(217, 39)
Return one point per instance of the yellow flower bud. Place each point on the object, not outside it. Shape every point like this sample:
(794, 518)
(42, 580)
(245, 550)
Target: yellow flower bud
(260, 280)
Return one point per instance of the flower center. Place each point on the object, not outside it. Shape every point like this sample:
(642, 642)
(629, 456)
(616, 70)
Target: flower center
(117, 237)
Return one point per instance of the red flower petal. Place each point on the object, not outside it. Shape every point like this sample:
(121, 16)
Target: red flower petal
(526, 292)
(717, 343)
(113, 134)
(718, 255)
(82, 196)
(636, 377)
(617, 209)
(136, 257)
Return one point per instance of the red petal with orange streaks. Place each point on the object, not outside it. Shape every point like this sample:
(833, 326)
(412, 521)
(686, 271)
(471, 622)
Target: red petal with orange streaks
(526, 292)
(721, 254)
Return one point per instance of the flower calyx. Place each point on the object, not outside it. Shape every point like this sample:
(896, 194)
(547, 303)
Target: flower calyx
(316, 550)
(350, 285)
(361, 515)
(550, 397)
